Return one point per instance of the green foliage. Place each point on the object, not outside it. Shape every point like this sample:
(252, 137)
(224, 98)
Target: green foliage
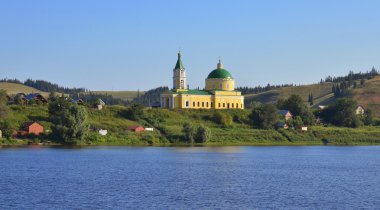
(69, 121)
(3, 102)
(296, 122)
(342, 113)
(368, 117)
(134, 112)
(6, 128)
(202, 134)
(265, 116)
(297, 107)
(188, 131)
(222, 118)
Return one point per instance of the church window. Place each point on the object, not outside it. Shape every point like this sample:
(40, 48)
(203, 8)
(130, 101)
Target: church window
(198, 104)
(206, 104)
(203, 104)
(212, 104)
(237, 105)
(219, 105)
(220, 86)
(182, 85)
(193, 103)
(224, 105)
(228, 105)
(187, 103)
(232, 105)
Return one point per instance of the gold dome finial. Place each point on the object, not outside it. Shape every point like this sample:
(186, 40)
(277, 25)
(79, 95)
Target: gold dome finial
(219, 65)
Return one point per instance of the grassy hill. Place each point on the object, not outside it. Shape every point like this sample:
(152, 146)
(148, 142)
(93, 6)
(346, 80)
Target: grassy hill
(369, 95)
(124, 95)
(321, 92)
(13, 88)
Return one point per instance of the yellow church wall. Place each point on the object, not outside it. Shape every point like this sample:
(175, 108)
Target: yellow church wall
(229, 102)
(227, 93)
(220, 84)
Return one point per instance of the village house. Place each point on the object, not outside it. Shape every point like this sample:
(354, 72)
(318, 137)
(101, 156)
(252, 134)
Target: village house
(286, 114)
(78, 101)
(136, 128)
(360, 110)
(38, 98)
(99, 104)
(31, 128)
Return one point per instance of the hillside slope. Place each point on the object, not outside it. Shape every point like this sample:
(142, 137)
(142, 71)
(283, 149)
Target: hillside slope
(319, 91)
(369, 95)
(124, 95)
(13, 88)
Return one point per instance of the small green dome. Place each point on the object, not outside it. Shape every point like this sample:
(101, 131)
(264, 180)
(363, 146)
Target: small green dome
(219, 74)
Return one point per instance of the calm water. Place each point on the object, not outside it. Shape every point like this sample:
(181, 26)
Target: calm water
(190, 178)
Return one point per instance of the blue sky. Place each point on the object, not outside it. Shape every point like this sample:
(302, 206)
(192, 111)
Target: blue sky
(130, 45)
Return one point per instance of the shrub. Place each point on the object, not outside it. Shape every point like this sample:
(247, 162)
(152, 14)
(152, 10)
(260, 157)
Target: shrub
(222, 118)
(203, 134)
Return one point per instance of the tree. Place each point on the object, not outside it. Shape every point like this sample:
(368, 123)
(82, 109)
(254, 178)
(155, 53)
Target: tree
(342, 113)
(69, 121)
(265, 116)
(6, 128)
(19, 100)
(202, 134)
(222, 118)
(188, 132)
(296, 122)
(368, 117)
(134, 112)
(3, 102)
(311, 99)
(297, 107)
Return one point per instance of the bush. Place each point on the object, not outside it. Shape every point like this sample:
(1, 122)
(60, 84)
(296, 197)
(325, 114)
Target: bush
(203, 134)
(222, 118)
(265, 116)
(6, 128)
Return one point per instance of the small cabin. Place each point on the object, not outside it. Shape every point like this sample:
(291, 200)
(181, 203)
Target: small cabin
(360, 110)
(136, 128)
(78, 101)
(99, 104)
(286, 114)
(36, 97)
(31, 128)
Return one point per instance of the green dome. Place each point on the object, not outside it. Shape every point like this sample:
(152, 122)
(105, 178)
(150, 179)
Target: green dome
(219, 74)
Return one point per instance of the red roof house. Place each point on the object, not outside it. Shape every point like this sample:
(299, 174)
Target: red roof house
(136, 128)
(31, 128)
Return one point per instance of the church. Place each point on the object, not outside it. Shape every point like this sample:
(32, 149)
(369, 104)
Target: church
(219, 91)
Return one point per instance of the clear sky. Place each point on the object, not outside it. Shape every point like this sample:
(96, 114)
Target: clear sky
(130, 45)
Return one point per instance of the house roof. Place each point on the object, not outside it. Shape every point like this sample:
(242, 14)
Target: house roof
(133, 127)
(284, 112)
(33, 96)
(28, 124)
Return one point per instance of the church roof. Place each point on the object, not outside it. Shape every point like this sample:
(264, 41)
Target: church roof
(195, 92)
(219, 73)
(179, 64)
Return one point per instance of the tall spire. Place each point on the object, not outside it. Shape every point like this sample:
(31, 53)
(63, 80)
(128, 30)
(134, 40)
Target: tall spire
(179, 64)
(220, 65)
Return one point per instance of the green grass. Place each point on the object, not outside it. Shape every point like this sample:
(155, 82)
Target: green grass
(240, 133)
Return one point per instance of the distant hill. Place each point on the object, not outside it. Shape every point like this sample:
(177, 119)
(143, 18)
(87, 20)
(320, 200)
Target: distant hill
(319, 91)
(124, 95)
(13, 88)
(369, 95)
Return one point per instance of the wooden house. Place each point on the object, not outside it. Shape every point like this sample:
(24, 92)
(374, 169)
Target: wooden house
(136, 128)
(286, 114)
(31, 128)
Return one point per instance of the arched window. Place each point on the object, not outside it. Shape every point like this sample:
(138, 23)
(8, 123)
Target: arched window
(182, 84)
(221, 86)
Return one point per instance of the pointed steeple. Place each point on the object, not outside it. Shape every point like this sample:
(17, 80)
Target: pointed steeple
(179, 64)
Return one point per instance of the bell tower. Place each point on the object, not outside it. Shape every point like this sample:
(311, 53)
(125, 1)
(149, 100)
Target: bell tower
(179, 75)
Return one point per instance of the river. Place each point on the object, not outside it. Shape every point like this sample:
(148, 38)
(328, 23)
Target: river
(302, 177)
